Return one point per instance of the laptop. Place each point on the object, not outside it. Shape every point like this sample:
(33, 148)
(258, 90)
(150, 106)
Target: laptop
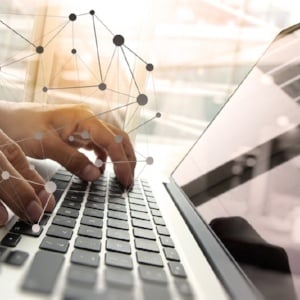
(225, 226)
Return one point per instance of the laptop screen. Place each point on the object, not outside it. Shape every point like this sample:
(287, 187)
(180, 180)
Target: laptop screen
(243, 174)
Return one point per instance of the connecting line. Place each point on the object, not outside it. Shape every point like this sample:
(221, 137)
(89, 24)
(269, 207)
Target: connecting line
(135, 55)
(97, 46)
(17, 33)
(131, 118)
(18, 60)
(44, 209)
(120, 93)
(132, 75)
(26, 180)
(72, 87)
(141, 125)
(60, 30)
(104, 25)
(110, 64)
(32, 15)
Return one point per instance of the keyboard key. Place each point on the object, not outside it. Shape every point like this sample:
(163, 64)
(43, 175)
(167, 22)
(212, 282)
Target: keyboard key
(91, 221)
(139, 215)
(11, 239)
(148, 258)
(142, 233)
(139, 208)
(82, 275)
(54, 244)
(3, 253)
(117, 215)
(120, 260)
(74, 196)
(94, 205)
(135, 196)
(162, 230)
(60, 232)
(117, 201)
(71, 204)
(118, 234)
(184, 288)
(64, 221)
(136, 201)
(142, 244)
(93, 213)
(153, 274)
(118, 246)
(90, 232)
(68, 212)
(119, 224)
(153, 205)
(120, 278)
(171, 254)
(96, 198)
(43, 272)
(62, 177)
(117, 207)
(166, 241)
(44, 220)
(153, 290)
(88, 244)
(156, 213)
(85, 258)
(26, 229)
(16, 258)
(177, 269)
(159, 221)
(141, 224)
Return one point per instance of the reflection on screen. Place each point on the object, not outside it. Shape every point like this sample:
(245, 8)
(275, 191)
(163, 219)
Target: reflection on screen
(243, 174)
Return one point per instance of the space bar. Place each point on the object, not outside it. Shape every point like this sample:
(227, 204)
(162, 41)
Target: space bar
(43, 272)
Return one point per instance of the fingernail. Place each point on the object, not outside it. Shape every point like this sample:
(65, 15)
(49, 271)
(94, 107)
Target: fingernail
(34, 211)
(44, 197)
(90, 173)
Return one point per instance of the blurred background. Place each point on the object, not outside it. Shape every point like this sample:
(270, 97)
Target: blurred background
(200, 49)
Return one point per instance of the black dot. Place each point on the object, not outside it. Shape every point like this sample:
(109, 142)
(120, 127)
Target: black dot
(73, 51)
(92, 12)
(149, 67)
(102, 86)
(39, 49)
(142, 99)
(72, 17)
(158, 115)
(45, 89)
(118, 40)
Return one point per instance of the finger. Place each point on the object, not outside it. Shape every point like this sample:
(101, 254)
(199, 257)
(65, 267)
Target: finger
(103, 137)
(3, 214)
(123, 138)
(70, 158)
(17, 193)
(17, 158)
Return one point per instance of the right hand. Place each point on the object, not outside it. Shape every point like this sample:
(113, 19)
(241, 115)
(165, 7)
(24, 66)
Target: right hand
(21, 187)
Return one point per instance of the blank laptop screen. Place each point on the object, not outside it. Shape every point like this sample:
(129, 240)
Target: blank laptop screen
(243, 174)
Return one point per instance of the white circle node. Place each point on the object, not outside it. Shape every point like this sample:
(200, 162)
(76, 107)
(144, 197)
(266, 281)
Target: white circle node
(98, 163)
(5, 175)
(149, 160)
(31, 167)
(35, 228)
(283, 121)
(85, 135)
(38, 136)
(237, 169)
(50, 187)
(71, 138)
(118, 139)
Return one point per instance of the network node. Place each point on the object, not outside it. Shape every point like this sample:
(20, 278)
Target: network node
(85, 135)
(45, 89)
(72, 17)
(73, 51)
(39, 49)
(92, 12)
(71, 138)
(149, 160)
(50, 187)
(118, 139)
(158, 115)
(38, 136)
(5, 175)
(98, 163)
(149, 67)
(118, 40)
(102, 86)
(36, 228)
(142, 99)
(31, 167)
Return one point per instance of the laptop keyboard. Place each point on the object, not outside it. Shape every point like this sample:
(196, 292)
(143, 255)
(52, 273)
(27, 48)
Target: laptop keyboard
(121, 237)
